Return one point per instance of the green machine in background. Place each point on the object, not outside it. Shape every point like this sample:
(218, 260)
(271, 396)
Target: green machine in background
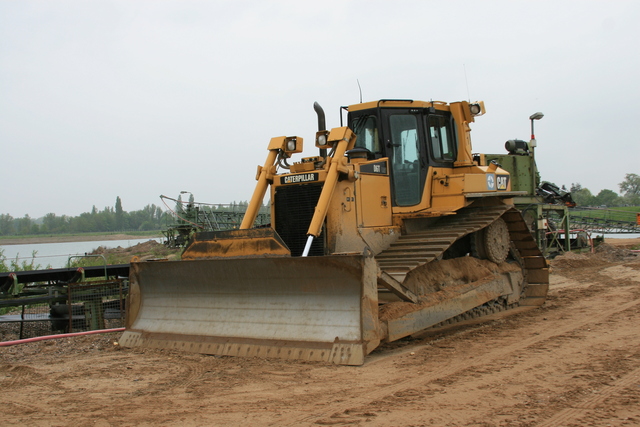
(544, 206)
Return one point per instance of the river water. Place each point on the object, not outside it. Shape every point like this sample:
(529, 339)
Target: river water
(56, 255)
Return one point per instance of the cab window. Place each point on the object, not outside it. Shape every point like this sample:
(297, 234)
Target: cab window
(366, 130)
(441, 139)
(405, 159)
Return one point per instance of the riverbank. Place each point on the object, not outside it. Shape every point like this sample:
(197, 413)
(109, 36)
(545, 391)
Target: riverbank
(75, 238)
(627, 243)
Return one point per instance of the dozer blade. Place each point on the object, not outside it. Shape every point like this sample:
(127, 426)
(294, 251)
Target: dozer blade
(251, 243)
(316, 308)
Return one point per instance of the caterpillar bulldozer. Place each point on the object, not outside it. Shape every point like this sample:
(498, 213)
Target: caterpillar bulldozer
(391, 229)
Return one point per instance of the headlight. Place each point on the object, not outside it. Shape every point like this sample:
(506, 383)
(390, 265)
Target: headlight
(291, 145)
(322, 138)
(477, 108)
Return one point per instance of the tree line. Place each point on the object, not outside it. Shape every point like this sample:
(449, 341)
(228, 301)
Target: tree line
(110, 219)
(629, 188)
(152, 217)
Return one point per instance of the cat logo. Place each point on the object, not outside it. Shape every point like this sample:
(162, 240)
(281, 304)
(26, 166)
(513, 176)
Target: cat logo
(295, 179)
(491, 182)
(502, 182)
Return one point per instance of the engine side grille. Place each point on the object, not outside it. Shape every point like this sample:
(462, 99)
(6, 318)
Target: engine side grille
(295, 205)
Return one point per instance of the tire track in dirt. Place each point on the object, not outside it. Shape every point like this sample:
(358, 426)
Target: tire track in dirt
(563, 355)
(23, 376)
(478, 361)
(15, 408)
(573, 414)
(190, 373)
(15, 374)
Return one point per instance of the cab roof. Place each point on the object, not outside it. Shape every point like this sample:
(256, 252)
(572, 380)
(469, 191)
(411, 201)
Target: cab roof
(399, 103)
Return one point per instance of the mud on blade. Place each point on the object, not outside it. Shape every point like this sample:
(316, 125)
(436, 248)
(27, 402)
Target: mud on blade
(320, 308)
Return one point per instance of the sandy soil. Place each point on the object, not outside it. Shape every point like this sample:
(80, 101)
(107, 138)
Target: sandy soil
(76, 238)
(573, 362)
(624, 242)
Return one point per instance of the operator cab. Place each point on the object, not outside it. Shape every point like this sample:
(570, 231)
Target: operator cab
(413, 139)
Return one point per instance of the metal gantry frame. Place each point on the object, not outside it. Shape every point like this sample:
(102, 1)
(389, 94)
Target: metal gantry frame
(197, 217)
(552, 239)
(549, 224)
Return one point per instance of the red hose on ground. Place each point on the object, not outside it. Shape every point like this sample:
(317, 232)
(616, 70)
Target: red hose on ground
(53, 337)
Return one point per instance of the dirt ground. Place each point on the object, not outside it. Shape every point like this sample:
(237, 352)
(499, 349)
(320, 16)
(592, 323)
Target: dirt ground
(573, 362)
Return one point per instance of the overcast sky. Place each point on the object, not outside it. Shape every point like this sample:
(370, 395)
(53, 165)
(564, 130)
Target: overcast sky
(100, 99)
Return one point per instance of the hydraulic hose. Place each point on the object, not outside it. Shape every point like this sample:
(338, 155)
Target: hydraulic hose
(52, 337)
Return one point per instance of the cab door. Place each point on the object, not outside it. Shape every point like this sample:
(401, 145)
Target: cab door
(400, 135)
(404, 141)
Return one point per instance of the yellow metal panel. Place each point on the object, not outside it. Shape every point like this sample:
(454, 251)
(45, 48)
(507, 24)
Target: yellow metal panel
(477, 183)
(276, 143)
(425, 203)
(302, 167)
(438, 105)
(446, 203)
(374, 200)
(379, 238)
(342, 231)
(344, 234)
(448, 184)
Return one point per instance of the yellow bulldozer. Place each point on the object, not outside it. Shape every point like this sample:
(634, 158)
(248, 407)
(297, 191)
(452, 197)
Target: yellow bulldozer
(393, 228)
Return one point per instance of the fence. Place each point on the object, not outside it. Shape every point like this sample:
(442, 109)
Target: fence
(606, 220)
(73, 307)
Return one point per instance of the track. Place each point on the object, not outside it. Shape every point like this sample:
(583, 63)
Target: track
(413, 251)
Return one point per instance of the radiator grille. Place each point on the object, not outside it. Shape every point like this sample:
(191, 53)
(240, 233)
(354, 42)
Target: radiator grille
(295, 205)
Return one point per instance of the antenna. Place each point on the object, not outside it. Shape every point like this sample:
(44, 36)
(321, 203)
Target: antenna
(466, 81)
(360, 89)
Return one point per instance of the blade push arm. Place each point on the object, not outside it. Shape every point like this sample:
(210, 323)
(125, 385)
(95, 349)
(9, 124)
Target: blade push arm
(278, 146)
(342, 139)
